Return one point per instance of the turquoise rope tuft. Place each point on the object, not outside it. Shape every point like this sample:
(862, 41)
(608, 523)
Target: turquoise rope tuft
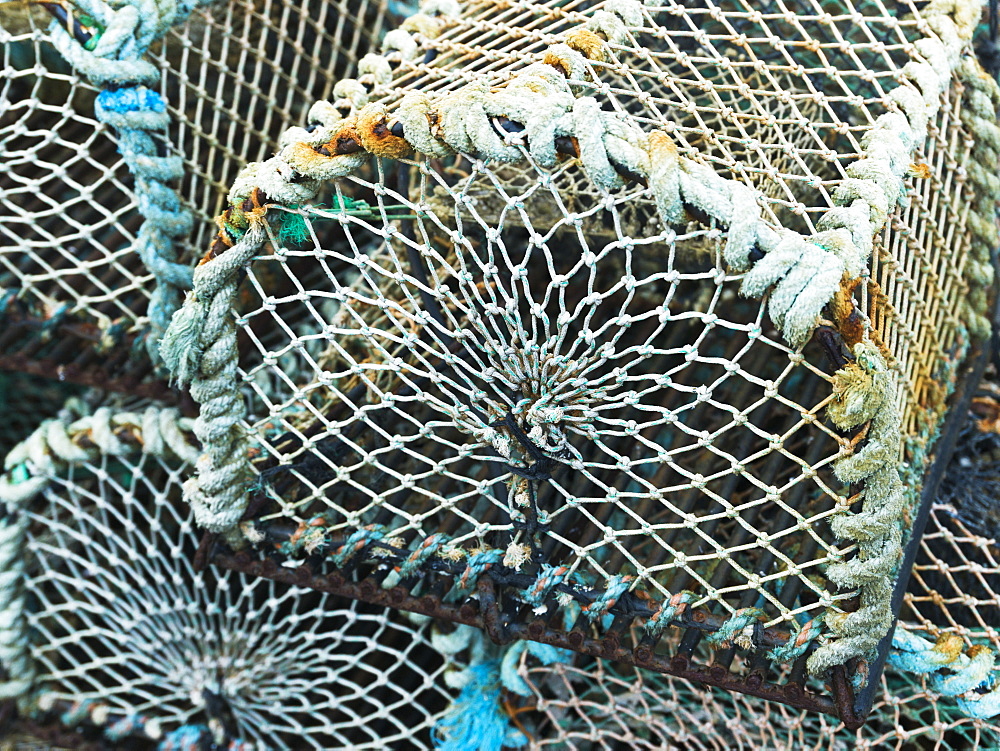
(972, 674)
(476, 721)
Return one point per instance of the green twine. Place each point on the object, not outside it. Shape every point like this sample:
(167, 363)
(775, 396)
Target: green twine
(292, 228)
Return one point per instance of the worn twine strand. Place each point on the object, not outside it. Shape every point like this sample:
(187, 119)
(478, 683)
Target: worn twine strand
(799, 274)
(116, 63)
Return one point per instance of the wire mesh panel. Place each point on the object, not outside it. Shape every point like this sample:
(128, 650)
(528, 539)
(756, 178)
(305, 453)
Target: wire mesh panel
(952, 593)
(74, 290)
(661, 307)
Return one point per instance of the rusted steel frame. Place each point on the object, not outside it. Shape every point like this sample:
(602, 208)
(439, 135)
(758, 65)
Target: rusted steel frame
(628, 604)
(486, 615)
(84, 365)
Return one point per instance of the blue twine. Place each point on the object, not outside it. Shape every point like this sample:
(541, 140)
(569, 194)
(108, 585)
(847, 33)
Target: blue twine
(77, 713)
(476, 721)
(8, 296)
(972, 675)
(478, 564)
(184, 738)
(738, 621)
(307, 537)
(549, 577)
(617, 586)
(356, 542)
(129, 725)
(545, 653)
(668, 611)
(797, 645)
(425, 550)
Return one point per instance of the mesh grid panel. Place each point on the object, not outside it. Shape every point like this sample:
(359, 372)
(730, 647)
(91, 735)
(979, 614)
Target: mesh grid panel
(454, 366)
(953, 590)
(235, 76)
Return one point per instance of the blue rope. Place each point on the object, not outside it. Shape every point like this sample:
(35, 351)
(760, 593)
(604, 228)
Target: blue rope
(115, 63)
(476, 721)
(730, 630)
(971, 674)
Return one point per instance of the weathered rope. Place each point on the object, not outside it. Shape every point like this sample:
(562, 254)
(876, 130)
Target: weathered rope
(28, 469)
(476, 719)
(116, 63)
(980, 103)
(969, 674)
(864, 393)
(376, 544)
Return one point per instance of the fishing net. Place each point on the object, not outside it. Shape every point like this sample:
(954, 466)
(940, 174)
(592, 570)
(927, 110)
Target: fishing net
(953, 592)
(123, 639)
(89, 195)
(653, 310)
(615, 337)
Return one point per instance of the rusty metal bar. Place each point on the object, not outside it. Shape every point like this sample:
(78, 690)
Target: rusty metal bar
(31, 345)
(486, 615)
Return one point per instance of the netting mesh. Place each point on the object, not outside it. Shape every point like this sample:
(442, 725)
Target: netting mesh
(638, 306)
(122, 625)
(953, 590)
(513, 355)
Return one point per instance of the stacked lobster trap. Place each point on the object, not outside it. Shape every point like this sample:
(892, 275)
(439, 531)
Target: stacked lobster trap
(593, 351)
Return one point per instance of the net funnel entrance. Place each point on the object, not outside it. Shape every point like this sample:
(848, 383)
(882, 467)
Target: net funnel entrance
(127, 644)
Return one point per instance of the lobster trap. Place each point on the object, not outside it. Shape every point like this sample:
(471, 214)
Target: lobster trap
(125, 645)
(644, 314)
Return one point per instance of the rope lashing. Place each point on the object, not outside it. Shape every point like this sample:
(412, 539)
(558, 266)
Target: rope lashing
(549, 577)
(28, 469)
(312, 538)
(601, 605)
(669, 610)
(864, 392)
(119, 728)
(114, 60)
(476, 565)
(802, 639)
(970, 675)
(738, 629)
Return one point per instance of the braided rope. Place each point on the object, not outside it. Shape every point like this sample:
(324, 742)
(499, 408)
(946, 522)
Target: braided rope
(28, 469)
(971, 673)
(980, 103)
(139, 115)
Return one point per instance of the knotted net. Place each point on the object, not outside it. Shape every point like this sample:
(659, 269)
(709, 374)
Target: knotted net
(103, 215)
(122, 639)
(634, 338)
